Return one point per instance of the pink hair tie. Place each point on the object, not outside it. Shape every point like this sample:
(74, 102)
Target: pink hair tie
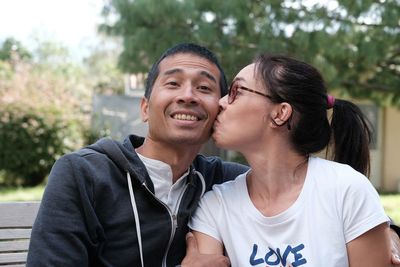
(331, 101)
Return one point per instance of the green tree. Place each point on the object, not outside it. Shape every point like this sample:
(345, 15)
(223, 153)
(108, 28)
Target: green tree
(355, 44)
(13, 50)
(44, 112)
(30, 141)
(102, 70)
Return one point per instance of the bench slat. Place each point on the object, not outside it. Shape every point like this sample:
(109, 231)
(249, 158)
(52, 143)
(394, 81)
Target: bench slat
(16, 220)
(18, 214)
(14, 245)
(14, 234)
(19, 257)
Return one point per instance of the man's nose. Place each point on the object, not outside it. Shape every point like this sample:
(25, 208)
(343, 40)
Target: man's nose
(188, 94)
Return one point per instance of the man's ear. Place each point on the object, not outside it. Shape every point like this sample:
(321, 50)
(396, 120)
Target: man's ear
(144, 109)
(281, 114)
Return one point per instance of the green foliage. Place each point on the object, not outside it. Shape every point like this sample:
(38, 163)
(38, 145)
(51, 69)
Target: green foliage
(44, 112)
(30, 141)
(391, 204)
(21, 193)
(45, 105)
(90, 136)
(6, 71)
(353, 43)
(103, 71)
(12, 50)
(51, 53)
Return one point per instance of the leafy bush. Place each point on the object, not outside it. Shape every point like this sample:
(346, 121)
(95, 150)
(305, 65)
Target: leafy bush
(30, 141)
(45, 106)
(91, 136)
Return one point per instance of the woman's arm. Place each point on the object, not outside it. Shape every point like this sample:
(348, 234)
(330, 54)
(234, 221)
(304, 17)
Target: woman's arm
(371, 249)
(194, 258)
(207, 244)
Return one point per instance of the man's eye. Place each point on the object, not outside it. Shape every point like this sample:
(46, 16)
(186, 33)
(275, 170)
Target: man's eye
(204, 88)
(172, 83)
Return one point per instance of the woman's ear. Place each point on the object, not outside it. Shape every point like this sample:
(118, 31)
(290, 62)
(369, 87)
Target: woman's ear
(144, 109)
(281, 114)
(286, 111)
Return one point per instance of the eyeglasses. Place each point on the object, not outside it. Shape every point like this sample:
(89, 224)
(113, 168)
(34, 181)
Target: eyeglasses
(235, 87)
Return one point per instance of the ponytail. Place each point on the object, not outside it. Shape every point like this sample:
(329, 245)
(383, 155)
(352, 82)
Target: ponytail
(351, 136)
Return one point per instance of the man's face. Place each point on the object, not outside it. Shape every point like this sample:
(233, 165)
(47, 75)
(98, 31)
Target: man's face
(184, 101)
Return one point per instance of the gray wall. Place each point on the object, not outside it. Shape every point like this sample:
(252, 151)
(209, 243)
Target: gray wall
(119, 114)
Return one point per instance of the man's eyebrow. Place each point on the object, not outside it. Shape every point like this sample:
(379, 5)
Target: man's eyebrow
(172, 71)
(208, 75)
(203, 73)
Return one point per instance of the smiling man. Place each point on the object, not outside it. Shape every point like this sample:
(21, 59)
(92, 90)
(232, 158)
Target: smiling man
(128, 204)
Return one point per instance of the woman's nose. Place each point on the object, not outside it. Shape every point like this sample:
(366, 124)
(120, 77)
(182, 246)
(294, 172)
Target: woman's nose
(223, 102)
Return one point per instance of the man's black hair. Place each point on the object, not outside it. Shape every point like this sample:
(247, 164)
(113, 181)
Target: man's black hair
(185, 48)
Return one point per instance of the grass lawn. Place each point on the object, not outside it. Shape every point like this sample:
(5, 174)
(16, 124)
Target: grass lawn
(21, 194)
(391, 202)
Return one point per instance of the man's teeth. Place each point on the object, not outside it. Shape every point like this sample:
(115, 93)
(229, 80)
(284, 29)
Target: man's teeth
(185, 117)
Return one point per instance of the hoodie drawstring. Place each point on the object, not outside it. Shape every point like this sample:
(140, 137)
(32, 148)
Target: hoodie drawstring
(203, 183)
(136, 215)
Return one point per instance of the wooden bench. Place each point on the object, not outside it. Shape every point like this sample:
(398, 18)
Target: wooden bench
(16, 220)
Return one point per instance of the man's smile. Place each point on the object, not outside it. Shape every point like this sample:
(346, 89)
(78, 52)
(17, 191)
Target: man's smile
(185, 117)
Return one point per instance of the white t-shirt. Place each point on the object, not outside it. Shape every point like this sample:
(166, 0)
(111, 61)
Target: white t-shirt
(336, 205)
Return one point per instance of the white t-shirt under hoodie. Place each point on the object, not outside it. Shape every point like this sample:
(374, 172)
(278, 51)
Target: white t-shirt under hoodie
(336, 205)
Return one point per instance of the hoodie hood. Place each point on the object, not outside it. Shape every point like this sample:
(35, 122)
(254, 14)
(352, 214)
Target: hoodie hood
(123, 154)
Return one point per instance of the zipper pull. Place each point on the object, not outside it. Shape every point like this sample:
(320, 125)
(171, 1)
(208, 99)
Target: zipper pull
(175, 220)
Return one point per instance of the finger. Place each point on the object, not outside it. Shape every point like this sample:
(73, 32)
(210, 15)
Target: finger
(395, 259)
(191, 244)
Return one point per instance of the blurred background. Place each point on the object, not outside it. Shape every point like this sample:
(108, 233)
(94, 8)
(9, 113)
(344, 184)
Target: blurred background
(73, 71)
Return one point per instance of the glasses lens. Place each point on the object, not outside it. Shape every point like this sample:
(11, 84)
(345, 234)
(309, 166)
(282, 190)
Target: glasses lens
(232, 93)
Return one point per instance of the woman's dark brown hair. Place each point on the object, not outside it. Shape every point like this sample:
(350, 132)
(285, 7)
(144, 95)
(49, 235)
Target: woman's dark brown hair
(302, 86)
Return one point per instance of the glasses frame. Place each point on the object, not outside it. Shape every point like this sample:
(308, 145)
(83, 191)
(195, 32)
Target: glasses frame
(232, 93)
